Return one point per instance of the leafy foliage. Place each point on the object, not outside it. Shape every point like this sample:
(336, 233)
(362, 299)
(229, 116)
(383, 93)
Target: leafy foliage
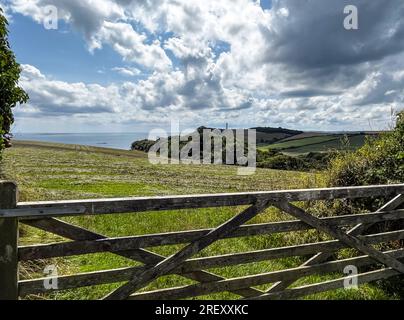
(282, 162)
(142, 145)
(274, 159)
(379, 161)
(10, 92)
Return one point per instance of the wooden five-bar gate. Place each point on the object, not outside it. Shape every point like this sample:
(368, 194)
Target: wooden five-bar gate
(348, 231)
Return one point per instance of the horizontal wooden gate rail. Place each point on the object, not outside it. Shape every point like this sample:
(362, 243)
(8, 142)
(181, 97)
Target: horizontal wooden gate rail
(348, 231)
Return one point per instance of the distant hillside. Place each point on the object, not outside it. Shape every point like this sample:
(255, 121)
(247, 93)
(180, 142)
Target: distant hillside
(277, 130)
(264, 136)
(308, 134)
(287, 141)
(310, 142)
(287, 149)
(268, 135)
(304, 135)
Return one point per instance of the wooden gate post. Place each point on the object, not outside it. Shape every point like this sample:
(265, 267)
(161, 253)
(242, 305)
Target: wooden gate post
(8, 244)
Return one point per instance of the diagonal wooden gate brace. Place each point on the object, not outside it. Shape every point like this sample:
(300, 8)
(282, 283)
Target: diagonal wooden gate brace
(337, 233)
(193, 248)
(149, 258)
(355, 231)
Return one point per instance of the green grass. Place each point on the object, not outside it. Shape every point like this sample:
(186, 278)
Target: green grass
(303, 142)
(321, 143)
(355, 142)
(55, 172)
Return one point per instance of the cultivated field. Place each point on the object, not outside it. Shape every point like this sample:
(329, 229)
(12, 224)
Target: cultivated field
(54, 171)
(305, 143)
(355, 142)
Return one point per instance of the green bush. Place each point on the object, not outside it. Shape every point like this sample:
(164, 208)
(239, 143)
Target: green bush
(142, 145)
(317, 160)
(282, 162)
(379, 161)
(274, 159)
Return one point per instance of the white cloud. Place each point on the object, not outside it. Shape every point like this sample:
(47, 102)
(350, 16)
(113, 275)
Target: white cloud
(53, 97)
(130, 72)
(131, 45)
(292, 65)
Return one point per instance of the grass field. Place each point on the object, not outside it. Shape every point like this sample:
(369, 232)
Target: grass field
(55, 172)
(303, 142)
(306, 135)
(263, 138)
(355, 142)
(320, 143)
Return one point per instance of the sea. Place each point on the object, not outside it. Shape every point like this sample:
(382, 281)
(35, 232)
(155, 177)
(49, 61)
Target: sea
(107, 140)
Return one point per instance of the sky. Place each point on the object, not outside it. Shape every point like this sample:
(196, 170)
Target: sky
(133, 66)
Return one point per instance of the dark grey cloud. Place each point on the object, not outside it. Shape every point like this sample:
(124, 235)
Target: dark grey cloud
(313, 50)
(313, 36)
(305, 93)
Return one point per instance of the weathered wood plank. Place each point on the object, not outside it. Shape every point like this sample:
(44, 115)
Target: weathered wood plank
(53, 250)
(130, 205)
(193, 265)
(150, 259)
(255, 280)
(362, 278)
(8, 244)
(23, 213)
(153, 261)
(88, 279)
(282, 252)
(169, 264)
(391, 205)
(350, 240)
(361, 227)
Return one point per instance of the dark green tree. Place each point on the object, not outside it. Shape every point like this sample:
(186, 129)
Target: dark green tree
(10, 92)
